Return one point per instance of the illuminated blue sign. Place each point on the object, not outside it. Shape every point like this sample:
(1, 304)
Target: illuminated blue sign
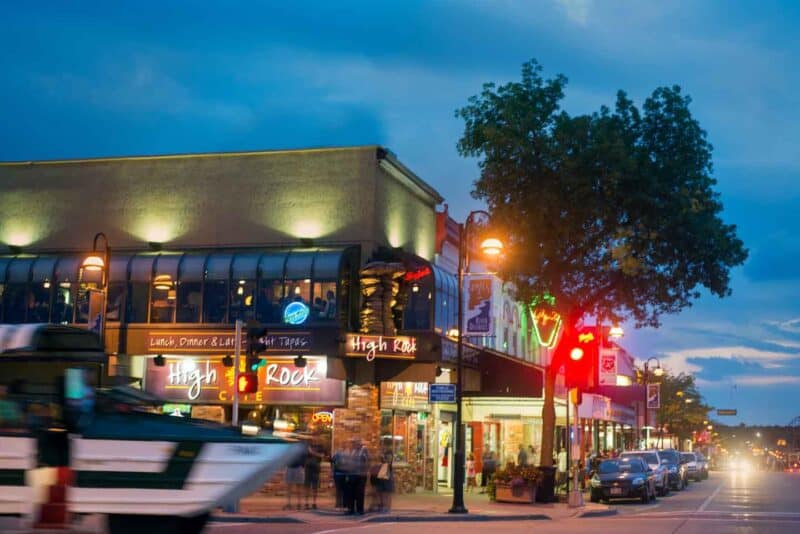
(295, 313)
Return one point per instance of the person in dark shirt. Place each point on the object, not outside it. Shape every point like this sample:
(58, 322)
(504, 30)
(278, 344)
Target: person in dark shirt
(295, 478)
(312, 470)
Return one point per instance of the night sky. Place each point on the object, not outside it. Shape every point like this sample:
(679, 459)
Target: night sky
(82, 79)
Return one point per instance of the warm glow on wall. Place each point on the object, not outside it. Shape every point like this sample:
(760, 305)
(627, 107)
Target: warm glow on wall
(156, 228)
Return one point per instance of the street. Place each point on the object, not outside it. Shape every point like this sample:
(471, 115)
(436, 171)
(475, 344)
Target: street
(726, 502)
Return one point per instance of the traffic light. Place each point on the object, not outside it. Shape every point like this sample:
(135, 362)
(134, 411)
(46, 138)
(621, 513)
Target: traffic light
(579, 353)
(247, 383)
(255, 346)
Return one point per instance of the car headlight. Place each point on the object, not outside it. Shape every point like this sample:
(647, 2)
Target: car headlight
(638, 481)
(595, 482)
(673, 469)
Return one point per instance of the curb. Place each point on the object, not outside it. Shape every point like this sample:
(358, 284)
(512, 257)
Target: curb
(443, 518)
(254, 519)
(598, 513)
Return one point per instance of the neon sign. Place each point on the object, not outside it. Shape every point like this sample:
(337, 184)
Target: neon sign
(369, 346)
(419, 274)
(325, 418)
(295, 313)
(546, 325)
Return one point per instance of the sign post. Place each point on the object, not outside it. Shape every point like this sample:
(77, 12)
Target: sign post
(236, 357)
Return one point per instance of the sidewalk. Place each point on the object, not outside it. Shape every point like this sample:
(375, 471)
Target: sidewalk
(416, 507)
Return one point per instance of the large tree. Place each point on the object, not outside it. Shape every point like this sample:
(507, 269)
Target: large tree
(612, 213)
(682, 409)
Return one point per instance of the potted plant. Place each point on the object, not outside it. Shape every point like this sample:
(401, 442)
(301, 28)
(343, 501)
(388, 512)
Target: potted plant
(515, 484)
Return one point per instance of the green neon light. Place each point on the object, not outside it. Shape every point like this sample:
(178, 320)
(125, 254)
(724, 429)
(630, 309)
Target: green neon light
(551, 339)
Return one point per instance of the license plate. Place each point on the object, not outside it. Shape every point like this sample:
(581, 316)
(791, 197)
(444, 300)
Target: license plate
(616, 491)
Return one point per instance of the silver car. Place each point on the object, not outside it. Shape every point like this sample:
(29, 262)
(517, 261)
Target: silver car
(693, 467)
(660, 471)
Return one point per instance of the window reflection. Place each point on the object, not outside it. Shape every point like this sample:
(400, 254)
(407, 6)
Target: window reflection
(243, 296)
(138, 299)
(115, 301)
(63, 303)
(215, 301)
(39, 303)
(162, 304)
(270, 294)
(324, 308)
(14, 303)
(189, 299)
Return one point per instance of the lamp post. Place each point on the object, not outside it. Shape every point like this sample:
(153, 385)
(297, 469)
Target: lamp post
(658, 371)
(96, 263)
(490, 247)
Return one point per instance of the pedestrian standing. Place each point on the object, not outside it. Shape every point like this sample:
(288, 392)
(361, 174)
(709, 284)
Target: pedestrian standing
(470, 473)
(522, 456)
(385, 478)
(312, 469)
(531, 455)
(339, 476)
(360, 471)
(562, 467)
(295, 478)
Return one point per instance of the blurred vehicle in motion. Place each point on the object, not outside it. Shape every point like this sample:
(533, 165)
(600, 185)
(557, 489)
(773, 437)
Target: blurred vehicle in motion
(59, 426)
(792, 462)
(702, 464)
(660, 471)
(623, 478)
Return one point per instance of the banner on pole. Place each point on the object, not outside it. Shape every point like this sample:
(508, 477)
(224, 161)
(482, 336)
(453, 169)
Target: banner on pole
(478, 308)
(653, 396)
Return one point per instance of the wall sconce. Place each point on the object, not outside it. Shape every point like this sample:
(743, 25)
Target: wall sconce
(155, 246)
(159, 361)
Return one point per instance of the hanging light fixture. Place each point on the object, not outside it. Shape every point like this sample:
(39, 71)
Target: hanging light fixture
(162, 282)
(93, 263)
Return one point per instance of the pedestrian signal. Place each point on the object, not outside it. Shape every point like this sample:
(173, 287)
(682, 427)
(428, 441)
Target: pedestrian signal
(247, 383)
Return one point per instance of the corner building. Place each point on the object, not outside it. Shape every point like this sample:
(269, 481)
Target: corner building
(332, 250)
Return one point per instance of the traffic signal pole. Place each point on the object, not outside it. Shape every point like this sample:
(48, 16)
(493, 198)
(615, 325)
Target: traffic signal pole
(236, 359)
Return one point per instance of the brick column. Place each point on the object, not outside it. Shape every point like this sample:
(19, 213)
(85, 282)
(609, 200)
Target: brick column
(361, 419)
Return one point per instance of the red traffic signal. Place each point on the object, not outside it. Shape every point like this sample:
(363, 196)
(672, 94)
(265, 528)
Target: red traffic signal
(247, 383)
(580, 352)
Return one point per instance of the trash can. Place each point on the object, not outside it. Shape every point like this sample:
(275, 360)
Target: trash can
(546, 491)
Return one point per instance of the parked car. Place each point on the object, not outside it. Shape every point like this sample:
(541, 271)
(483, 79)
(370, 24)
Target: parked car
(623, 478)
(692, 468)
(678, 478)
(660, 470)
(702, 464)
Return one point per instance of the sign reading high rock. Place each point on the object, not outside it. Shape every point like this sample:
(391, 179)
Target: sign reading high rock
(371, 347)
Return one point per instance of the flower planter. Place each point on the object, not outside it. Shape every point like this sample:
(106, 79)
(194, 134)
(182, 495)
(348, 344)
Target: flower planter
(523, 493)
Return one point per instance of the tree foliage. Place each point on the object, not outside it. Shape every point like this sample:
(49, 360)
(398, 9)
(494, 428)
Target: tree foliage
(682, 408)
(613, 213)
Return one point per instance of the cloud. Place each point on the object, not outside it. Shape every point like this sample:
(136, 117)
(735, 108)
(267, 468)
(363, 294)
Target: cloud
(761, 380)
(577, 10)
(689, 360)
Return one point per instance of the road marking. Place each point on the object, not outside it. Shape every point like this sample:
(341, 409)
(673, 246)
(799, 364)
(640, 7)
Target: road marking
(710, 498)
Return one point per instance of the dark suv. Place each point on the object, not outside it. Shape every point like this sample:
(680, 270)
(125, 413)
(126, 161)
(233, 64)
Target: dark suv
(678, 476)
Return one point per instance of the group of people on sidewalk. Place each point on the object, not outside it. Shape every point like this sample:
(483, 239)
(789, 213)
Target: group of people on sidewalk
(352, 469)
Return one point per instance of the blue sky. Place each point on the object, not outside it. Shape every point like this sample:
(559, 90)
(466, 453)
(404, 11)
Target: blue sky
(111, 78)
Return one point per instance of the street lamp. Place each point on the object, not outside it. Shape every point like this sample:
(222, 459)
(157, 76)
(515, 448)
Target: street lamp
(97, 263)
(490, 247)
(657, 371)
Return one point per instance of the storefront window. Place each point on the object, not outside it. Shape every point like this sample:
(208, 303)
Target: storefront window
(215, 301)
(298, 291)
(138, 298)
(162, 304)
(417, 315)
(39, 303)
(243, 294)
(63, 304)
(189, 298)
(270, 293)
(14, 303)
(115, 301)
(324, 308)
(394, 434)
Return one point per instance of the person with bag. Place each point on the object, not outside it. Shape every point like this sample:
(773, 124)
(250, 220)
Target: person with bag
(385, 480)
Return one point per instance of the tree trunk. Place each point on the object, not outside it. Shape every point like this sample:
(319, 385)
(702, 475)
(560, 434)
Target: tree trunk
(548, 416)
